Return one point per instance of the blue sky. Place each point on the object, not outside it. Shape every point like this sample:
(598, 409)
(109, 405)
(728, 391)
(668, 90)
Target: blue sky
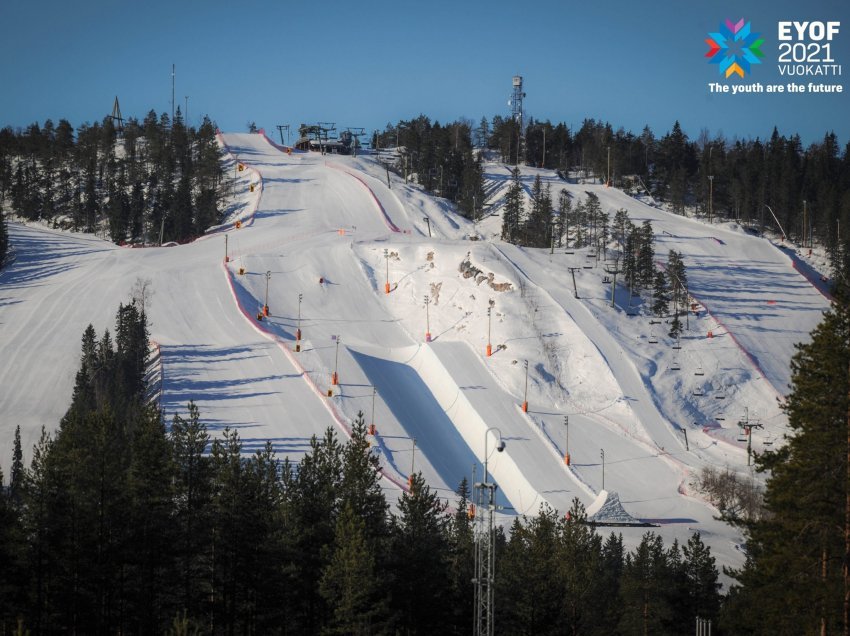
(373, 62)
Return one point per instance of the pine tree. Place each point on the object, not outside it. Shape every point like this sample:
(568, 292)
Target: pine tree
(659, 295)
(189, 440)
(349, 583)
(578, 563)
(642, 589)
(537, 226)
(645, 255)
(512, 210)
(794, 553)
(152, 533)
(564, 213)
(703, 588)
(530, 599)
(16, 477)
(462, 562)
(419, 561)
(313, 511)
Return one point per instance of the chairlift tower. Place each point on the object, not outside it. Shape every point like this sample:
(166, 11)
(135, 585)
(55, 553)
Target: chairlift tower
(356, 133)
(747, 425)
(281, 128)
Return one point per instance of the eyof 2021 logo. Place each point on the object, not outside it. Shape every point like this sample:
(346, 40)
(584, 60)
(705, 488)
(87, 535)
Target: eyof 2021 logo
(805, 53)
(735, 48)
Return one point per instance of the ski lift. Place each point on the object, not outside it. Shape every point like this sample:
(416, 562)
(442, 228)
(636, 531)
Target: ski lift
(721, 394)
(654, 321)
(698, 391)
(699, 371)
(587, 266)
(606, 279)
(591, 255)
(675, 366)
(631, 311)
(677, 345)
(721, 418)
(742, 432)
(768, 441)
(652, 338)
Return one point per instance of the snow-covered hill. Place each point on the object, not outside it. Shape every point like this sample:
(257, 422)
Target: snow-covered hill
(326, 234)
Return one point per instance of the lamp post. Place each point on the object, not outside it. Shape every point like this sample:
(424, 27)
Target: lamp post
(710, 198)
(412, 461)
(602, 454)
(427, 320)
(525, 395)
(489, 321)
(335, 376)
(298, 328)
(387, 258)
(266, 304)
(372, 425)
(567, 442)
(544, 147)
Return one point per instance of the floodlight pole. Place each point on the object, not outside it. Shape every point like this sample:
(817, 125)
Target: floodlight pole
(525, 395)
(298, 328)
(710, 198)
(489, 320)
(335, 376)
(412, 463)
(427, 320)
(602, 454)
(266, 304)
(374, 394)
(387, 258)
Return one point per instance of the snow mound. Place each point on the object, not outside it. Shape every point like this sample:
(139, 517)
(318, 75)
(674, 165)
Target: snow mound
(606, 509)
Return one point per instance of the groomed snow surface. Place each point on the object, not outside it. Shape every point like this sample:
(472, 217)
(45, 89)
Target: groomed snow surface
(328, 229)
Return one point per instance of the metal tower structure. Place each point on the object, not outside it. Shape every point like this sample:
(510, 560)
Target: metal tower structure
(117, 119)
(485, 548)
(516, 100)
(281, 128)
(515, 103)
(356, 133)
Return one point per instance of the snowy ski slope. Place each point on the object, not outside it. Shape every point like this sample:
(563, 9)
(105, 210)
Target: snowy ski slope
(313, 218)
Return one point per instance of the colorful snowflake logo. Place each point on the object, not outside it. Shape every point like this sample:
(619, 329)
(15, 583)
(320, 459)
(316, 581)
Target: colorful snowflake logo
(734, 47)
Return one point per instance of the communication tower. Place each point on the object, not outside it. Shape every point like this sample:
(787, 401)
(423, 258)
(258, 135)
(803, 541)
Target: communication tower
(516, 100)
(515, 103)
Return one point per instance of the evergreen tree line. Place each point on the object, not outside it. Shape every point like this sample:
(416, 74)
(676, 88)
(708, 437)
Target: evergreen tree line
(745, 180)
(796, 579)
(121, 524)
(584, 224)
(440, 158)
(158, 178)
